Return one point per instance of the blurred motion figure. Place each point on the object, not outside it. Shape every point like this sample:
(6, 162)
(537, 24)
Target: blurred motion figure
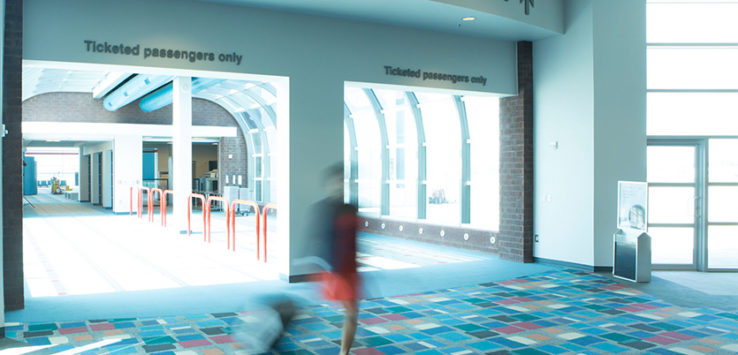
(335, 239)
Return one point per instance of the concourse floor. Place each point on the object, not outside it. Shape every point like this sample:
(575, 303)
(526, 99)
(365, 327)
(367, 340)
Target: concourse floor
(555, 312)
(75, 249)
(417, 298)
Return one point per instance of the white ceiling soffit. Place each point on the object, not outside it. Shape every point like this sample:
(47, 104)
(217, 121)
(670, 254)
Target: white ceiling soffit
(56, 143)
(499, 19)
(38, 80)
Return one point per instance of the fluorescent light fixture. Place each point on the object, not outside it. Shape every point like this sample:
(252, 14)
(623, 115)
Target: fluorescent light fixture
(240, 109)
(468, 18)
(108, 83)
(248, 86)
(232, 91)
(53, 140)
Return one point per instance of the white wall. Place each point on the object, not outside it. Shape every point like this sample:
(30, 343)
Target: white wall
(273, 43)
(589, 98)
(127, 170)
(620, 110)
(563, 106)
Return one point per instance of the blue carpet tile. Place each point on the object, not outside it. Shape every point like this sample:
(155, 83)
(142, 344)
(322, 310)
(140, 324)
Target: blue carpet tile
(555, 312)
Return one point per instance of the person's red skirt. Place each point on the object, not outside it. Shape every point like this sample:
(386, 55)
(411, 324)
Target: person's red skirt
(340, 287)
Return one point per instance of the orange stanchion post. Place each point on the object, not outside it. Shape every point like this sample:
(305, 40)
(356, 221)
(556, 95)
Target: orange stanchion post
(163, 206)
(228, 217)
(233, 221)
(140, 201)
(151, 205)
(189, 212)
(264, 224)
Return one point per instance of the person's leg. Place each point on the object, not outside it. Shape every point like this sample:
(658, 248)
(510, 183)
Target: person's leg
(349, 325)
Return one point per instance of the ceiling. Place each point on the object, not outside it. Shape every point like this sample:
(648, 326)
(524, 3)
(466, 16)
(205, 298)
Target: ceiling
(251, 103)
(422, 14)
(39, 80)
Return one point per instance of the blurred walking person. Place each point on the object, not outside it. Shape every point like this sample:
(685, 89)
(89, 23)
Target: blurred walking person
(335, 238)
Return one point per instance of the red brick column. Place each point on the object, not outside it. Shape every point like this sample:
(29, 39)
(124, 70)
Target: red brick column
(516, 164)
(12, 157)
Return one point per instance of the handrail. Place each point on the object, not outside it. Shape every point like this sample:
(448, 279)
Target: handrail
(131, 204)
(189, 212)
(163, 206)
(151, 205)
(264, 213)
(228, 217)
(233, 221)
(140, 201)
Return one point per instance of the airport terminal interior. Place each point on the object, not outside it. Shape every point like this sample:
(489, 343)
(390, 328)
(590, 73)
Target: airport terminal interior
(531, 177)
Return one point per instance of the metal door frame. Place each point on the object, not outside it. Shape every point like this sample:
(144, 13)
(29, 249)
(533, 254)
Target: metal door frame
(699, 251)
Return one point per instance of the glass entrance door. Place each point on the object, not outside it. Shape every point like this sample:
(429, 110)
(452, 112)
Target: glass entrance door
(675, 204)
(722, 208)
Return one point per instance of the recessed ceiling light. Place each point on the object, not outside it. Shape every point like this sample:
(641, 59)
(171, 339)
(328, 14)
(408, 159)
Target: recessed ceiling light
(468, 18)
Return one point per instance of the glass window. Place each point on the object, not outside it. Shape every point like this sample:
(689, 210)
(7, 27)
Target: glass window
(443, 139)
(60, 163)
(672, 245)
(671, 164)
(403, 152)
(678, 113)
(692, 22)
(723, 160)
(368, 142)
(723, 204)
(692, 67)
(722, 247)
(671, 204)
(483, 115)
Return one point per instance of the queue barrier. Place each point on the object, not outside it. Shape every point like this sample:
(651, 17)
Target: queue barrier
(163, 206)
(189, 213)
(139, 213)
(228, 217)
(264, 214)
(151, 205)
(233, 221)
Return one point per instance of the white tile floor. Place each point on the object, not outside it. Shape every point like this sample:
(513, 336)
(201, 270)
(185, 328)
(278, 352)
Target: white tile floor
(75, 249)
(97, 252)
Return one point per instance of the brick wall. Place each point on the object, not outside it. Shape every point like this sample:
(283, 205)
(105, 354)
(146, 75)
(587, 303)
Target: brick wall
(81, 107)
(12, 151)
(232, 160)
(516, 164)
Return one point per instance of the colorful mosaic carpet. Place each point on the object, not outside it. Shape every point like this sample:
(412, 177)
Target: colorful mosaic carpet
(558, 312)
